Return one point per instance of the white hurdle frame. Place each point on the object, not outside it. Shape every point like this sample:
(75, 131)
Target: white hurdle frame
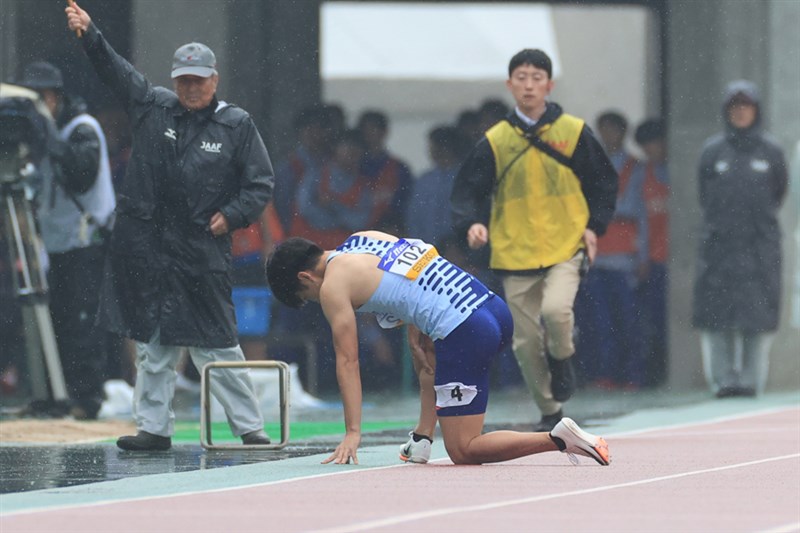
(205, 404)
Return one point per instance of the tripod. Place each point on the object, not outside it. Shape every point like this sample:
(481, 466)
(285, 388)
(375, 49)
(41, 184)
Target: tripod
(30, 282)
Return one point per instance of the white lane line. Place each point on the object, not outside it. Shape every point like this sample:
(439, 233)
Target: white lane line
(411, 517)
(786, 528)
(717, 432)
(716, 420)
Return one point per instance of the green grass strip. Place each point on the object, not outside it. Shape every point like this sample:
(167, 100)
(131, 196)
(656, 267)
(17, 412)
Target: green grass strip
(187, 432)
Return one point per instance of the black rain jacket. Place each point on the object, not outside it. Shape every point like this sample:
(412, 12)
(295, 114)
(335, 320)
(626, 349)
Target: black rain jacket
(164, 268)
(742, 183)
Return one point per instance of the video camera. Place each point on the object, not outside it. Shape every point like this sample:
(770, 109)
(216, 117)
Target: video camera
(24, 139)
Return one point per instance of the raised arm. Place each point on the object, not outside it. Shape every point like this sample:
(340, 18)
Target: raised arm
(129, 85)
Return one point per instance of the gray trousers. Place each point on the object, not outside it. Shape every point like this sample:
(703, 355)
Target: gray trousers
(155, 387)
(736, 359)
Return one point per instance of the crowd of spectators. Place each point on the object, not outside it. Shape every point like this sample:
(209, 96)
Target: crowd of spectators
(340, 177)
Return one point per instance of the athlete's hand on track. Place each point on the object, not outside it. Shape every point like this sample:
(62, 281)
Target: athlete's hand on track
(77, 18)
(346, 450)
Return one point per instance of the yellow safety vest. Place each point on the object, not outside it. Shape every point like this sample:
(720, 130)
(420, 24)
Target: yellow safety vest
(539, 211)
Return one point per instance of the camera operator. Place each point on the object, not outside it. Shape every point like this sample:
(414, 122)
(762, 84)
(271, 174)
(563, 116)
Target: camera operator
(14, 102)
(75, 211)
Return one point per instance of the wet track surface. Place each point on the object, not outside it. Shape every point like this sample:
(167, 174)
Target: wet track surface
(25, 468)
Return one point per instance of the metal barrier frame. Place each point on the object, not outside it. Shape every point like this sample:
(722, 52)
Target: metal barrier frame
(205, 404)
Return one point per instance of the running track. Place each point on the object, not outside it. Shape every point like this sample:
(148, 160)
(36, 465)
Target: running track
(728, 468)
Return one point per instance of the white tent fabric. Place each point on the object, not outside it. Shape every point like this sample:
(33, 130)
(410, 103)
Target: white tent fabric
(431, 41)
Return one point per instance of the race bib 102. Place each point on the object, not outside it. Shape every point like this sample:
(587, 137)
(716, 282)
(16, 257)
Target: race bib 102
(408, 258)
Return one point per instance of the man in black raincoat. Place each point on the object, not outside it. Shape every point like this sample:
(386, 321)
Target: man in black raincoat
(743, 181)
(198, 171)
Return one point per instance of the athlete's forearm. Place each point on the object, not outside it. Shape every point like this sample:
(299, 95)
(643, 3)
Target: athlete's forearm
(349, 378)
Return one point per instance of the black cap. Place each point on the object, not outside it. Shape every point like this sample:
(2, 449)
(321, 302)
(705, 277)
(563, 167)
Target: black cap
(42, 75)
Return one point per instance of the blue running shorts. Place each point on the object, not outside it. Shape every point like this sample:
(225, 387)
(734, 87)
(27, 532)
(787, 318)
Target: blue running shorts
(464, 357)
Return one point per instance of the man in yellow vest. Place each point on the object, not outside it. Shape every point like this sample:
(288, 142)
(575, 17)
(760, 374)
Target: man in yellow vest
(540, 189)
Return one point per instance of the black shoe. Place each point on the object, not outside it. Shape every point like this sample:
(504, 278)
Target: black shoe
(726, 392)
(736, 391)
(257, 437)
(46, 409)
(548, 422)
(562, 378)
(144, 442)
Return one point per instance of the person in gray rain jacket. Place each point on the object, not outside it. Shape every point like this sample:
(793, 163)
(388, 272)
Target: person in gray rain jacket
(737, 290)
(198, 171)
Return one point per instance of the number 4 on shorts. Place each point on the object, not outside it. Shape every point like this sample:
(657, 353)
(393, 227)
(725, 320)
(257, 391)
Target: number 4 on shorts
(455, 394)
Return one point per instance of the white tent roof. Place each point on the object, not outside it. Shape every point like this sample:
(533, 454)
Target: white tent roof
(431, 41)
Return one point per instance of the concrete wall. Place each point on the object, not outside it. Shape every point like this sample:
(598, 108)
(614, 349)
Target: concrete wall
(711, 43)
(604, 51)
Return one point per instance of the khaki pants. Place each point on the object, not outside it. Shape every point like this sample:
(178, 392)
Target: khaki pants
(547, 298)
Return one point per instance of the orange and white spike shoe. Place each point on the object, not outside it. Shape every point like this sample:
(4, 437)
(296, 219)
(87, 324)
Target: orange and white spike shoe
(572, 440)
(416, 451)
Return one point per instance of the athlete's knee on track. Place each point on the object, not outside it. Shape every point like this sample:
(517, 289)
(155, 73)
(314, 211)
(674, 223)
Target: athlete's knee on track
(461, 454)
(462, 458)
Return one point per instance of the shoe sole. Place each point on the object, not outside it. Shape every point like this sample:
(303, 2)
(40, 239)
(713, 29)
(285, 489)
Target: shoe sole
(412, 459)
(597, 451)
(129, 446)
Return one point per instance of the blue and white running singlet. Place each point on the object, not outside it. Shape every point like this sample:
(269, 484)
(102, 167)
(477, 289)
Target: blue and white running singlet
(419, 286)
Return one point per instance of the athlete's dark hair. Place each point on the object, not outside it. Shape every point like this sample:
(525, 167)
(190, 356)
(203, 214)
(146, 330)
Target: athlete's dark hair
(531, 56)
(291, 257)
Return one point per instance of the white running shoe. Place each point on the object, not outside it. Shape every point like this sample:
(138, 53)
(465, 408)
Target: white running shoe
(415, 451)
(579, 442)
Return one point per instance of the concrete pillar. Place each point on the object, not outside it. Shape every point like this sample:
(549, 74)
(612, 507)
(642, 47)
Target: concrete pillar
(275, 63)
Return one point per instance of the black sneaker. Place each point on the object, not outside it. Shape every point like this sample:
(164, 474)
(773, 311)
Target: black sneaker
(746, 392)
(562, 378)
(727, 392)
(144, 442)
(548, 422)
(257, 437)
(46, 409)
(736, 392)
